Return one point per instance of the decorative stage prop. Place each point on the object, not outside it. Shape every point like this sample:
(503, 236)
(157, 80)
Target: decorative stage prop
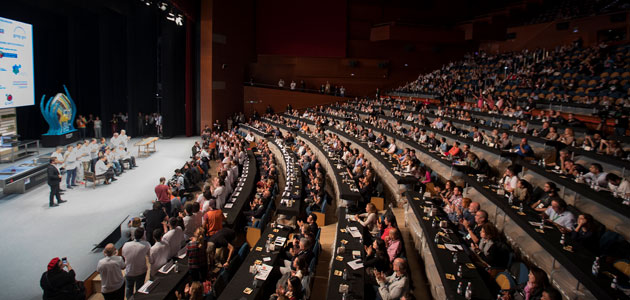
(59, 112)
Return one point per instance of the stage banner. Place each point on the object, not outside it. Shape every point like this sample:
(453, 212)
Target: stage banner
(59, 113)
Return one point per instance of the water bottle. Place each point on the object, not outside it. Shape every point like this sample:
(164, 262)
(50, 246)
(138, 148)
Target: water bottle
(511, 199)
(176, 266)
(267, 244)
(613, 284)
(454, 258)
(468, 294)
(459, 288)
(437, 238)
(562, 239)
(459, 272)
(595, 268)
(434, 223)
(520, 207)
(542, 224)
(345, 274)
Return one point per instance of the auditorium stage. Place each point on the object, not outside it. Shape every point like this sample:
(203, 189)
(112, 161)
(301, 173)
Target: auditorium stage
(31, 233)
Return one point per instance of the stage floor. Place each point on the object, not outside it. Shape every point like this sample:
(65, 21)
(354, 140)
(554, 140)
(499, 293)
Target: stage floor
(32, 233)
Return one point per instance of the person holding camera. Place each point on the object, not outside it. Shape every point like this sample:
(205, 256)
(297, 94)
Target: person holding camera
(58, 282)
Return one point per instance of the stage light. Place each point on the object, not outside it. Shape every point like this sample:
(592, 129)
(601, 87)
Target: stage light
(170, 16)
(163, 6)
(179, 20)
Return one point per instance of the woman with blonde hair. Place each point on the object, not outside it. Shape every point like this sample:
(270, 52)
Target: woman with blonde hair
(369, 219)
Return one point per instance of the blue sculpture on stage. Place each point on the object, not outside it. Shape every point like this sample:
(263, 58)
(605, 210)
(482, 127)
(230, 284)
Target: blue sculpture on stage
(59, 113)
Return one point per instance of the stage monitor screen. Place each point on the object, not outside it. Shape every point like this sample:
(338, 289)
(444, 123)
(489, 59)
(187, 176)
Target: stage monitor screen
(17, 82)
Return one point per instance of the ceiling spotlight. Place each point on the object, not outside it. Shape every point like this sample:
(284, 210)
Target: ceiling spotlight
(179, 20)
(170, 16)
(163, 6)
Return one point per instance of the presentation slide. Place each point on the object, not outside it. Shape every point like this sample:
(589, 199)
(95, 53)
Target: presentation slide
(17, 82)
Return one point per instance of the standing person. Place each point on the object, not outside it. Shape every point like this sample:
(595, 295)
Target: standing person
(90, 124)
(81, 124)
(54, 178)
(109, 267)
(114, 123)
(71, 161)
(163, 194)
(124, 118)
(135, 253)
(97, 128)
(158, 124)
(140, 124)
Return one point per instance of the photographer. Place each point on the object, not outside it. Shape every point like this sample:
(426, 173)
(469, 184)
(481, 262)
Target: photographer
(58, 283)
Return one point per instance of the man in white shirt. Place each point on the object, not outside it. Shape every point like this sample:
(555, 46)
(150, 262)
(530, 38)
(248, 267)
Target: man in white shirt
(110, 268)
(159, 253)
(596, 174)
(124, 156)
(135, 253)
(250, 137)
(510, 180)
(111, 158)
(397, 284)
(174, 237)
(114, 141)
(617, 184)
(83, 157)
(70, 159)
(104, 169)
(558, 214)
(292, 85)
(123, 139)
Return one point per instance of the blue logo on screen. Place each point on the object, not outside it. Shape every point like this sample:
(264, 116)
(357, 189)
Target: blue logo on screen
(16, 69)
(19, 33)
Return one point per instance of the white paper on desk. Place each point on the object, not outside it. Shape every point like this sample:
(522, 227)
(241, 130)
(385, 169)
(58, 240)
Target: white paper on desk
(263, 272)
(356, 264)
(354, 232)
(266, 258)
(236, 194)
(225, 215)
(350, 217)
(229, 205)
(182, 253)
(280, 241)
(453, 247)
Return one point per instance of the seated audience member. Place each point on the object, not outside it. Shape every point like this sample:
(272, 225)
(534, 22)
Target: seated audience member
(110, 268)
(572, 169)
(551, 293)
(568, 138)
(492, 252)
(292, 292)
(369, 219)
(311, 220)
(468, 213)
(523, 192)
(454, 204)
(299, 270)
(376, 258)
(135, 254)
(532, 289)
(389, 222)
(394, 244)
(257, 210)
(585, 234)
(550, 192)
(618, 185)
(552, 134)
(174, 237)
(473, 161)
(524, 149)
(159, 253)
(596, 174)
(558, 214)
(504, 142)
(453, 151)
(510, 180)
(611, 148)
(446, 192)
(221, 240)
(58, 283)
(395, 285)
(593, 142)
